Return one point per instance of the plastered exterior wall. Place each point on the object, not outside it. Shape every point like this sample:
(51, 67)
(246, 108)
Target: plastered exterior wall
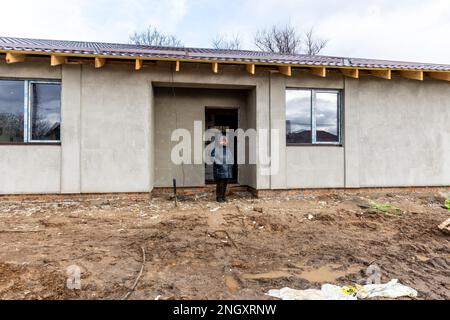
(403, 136)
(30, 169)
(115, 131)
(304, 166)
(396, 132)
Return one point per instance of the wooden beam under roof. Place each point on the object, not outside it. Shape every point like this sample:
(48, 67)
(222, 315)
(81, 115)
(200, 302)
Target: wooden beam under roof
(413, 75)
(14, 57)
(215, 67)
(383, 74)
(100, 62)
(445, 76)
(319, 71)
(57, 60)
(251, 68)
(286, 70)
(138, 64)
(351, 73)
(177, 66)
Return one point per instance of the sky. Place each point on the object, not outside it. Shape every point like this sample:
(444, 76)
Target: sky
(409, 30)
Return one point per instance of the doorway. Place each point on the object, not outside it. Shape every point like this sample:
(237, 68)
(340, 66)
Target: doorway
(221, 119)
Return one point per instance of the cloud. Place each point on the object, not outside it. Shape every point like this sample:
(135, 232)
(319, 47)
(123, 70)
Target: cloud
(101, 20)
(413, 30)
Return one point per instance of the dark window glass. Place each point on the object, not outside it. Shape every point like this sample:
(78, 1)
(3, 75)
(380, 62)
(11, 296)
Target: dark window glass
(11, 111)
(45, 112)
(327, 108)
(298, 116)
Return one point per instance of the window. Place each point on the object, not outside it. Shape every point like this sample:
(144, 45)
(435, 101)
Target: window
(45, 113)
(30, 111)
(313, 116)
(11, 111)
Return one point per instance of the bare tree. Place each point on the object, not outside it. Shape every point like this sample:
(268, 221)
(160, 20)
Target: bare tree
(221, 42)
(312, 44)
(289, 41)
(153, 37)
(279, 39)
(11, 126)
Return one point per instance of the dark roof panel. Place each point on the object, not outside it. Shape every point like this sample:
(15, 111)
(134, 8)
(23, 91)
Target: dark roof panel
(199, 54)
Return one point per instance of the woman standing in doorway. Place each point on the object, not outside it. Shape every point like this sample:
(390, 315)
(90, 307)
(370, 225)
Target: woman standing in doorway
(223, 167)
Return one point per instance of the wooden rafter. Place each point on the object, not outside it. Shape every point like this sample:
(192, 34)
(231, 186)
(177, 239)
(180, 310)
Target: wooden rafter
(319, 71)
(215, 67)
(445, 76)
(286, 70)
(14, 57)
(413, 75)
(138, 64)
(351, 73)
(251, 68)
(383, 74)
(100, 62)
(57, 60)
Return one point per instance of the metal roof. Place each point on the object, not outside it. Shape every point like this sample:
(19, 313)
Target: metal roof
(115, 50)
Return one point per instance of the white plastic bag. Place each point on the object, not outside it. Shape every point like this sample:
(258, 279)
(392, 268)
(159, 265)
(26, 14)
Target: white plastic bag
(392, 289)
(328, 292)
(292, 294)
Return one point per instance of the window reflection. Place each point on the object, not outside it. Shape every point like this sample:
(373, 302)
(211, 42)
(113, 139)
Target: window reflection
(11, 111)
(327, 105)
(312, 116)
(298, 116)
(46, 112)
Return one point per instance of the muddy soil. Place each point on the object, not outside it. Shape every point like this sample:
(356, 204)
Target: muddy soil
(237, 250)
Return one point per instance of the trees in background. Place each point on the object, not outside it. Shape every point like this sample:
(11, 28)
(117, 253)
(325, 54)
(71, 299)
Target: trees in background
(288, 40)
(222, 42)
(277, 39)
(153, 37)
(312, 44)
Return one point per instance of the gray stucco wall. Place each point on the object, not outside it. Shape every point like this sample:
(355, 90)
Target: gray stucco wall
(30, 169)
(404, 133)
(396, 132)
(115, 131)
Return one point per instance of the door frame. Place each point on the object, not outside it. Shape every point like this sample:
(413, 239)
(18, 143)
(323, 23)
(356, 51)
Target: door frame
(236, 110)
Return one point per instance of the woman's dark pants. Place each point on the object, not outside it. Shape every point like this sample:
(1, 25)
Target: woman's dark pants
(221, 190)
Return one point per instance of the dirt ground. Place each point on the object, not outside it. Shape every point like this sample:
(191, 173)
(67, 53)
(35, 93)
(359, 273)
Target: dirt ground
(237, 250)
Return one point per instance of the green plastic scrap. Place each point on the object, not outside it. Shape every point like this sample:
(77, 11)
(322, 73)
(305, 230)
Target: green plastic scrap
(382, 206)
(447, 204)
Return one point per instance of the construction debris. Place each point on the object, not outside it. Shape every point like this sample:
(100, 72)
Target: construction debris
(258, 209)
(392, 290)
(328, 292)
(445, 226)
(447, 204)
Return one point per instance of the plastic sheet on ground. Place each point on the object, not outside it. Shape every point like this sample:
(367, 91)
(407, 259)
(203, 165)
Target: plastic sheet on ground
(392, 290)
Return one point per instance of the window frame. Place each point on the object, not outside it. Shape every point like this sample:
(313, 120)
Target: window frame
(313, 103)
(27, 111)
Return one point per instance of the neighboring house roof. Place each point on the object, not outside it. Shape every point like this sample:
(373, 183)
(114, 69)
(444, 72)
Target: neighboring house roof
(113, 50)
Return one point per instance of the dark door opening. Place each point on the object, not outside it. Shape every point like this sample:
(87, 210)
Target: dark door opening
(221, 119)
